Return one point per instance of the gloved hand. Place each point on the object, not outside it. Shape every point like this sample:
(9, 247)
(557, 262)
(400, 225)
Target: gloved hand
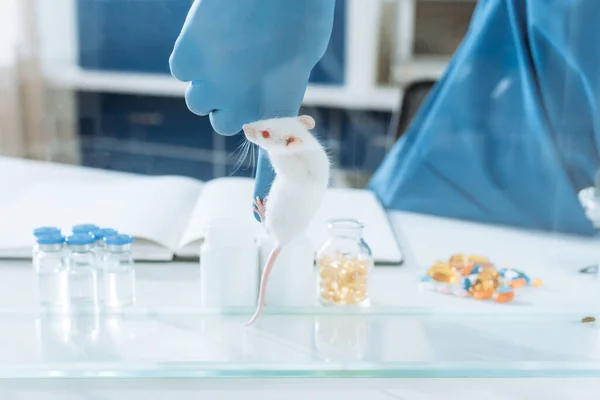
(249, 60)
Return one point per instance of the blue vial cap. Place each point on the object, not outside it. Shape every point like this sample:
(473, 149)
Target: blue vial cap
(85, 228)
(105, 232)
(79, 239)
(118, 240)
(45, 230)
(50, 239)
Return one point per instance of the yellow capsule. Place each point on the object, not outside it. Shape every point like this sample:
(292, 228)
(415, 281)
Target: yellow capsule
(475, 258)
(483, 294)
(518, 283)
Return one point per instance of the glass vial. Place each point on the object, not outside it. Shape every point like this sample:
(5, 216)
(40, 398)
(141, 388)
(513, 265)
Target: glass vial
(81, 265)
(100, 245)
(84, 228)
(50, 271)
(100, 251)
(344, 264)
(42, 231)
(119, 272)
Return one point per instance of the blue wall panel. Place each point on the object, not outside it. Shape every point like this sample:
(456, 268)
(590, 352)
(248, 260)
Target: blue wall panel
(144, 134)
(138, 36)
(129, 35)
(159, 135)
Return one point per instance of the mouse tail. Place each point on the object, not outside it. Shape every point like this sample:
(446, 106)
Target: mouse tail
(263, 284)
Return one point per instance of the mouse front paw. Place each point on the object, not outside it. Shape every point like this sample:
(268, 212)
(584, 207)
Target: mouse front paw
(260, 208)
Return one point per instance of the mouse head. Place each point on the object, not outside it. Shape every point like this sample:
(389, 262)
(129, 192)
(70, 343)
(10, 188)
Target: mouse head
(280, 134)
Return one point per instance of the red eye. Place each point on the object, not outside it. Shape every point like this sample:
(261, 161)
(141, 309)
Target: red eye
(266, 134)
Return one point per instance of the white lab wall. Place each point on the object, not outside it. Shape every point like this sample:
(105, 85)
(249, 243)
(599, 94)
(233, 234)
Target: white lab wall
(8, 31)
(30, 125)
(11, 137)
(57, 55)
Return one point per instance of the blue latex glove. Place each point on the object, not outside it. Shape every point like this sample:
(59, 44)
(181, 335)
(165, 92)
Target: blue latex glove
(249, 60)
(511, 132)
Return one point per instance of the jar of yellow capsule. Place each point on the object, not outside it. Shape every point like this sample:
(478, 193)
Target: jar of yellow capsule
(344, 264)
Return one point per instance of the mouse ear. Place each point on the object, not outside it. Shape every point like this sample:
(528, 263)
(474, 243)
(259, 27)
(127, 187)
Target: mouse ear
(307, 121)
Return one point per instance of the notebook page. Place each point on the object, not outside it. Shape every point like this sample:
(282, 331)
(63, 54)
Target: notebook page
(18, 174)
(153, 209)
(229, 198)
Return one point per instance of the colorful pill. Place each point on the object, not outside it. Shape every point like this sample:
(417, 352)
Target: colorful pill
(469, 281)
(482, 294)
(505, 297)
(476, 269)
(512, 274)
(518, 283)
(504, 294)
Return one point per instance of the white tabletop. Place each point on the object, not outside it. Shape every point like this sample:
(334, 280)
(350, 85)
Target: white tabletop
(541, 328)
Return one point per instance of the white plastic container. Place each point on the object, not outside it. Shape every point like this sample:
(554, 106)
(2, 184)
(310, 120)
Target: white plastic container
(229, 270)
(292, 279)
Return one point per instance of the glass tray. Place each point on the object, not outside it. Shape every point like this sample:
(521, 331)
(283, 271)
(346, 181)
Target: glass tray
(201, 345)
(404, 334)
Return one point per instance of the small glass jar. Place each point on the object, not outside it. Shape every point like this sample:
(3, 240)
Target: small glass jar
(344, 265)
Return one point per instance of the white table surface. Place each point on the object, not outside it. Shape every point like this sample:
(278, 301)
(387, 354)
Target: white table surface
(173, 287)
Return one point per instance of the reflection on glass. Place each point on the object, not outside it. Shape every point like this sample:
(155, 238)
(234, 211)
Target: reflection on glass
(68, 337)
(342, 338)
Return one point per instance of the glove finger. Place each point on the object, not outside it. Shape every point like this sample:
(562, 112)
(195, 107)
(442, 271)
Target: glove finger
(185, 62)
(199, 98)
(228, 122)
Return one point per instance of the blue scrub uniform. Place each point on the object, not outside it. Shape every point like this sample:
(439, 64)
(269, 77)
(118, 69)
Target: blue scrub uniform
(509, 135)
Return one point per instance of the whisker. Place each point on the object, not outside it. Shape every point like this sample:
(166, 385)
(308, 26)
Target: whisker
(242, 157)
(239, 149)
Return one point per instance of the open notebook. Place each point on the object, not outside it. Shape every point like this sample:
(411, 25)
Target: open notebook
(167, 215)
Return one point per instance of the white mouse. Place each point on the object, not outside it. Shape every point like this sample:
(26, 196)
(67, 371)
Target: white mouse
(302, 171)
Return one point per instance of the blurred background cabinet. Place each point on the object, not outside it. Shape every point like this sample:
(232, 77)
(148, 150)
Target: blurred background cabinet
(106, 63)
